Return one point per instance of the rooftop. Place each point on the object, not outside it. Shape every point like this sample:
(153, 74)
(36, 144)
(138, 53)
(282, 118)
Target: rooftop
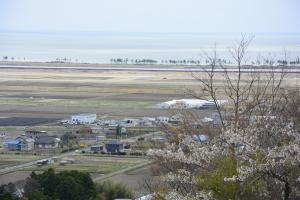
(114, 142)
(46, 140)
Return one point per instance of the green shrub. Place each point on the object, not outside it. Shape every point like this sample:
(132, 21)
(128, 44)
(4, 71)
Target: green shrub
(108, 190)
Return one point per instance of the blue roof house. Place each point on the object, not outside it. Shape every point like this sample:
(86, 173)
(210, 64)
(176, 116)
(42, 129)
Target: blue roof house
(13, 145)
(114, 147)
(19, 144)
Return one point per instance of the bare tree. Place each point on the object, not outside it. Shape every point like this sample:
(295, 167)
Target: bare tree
(246, 89)
(259, 123)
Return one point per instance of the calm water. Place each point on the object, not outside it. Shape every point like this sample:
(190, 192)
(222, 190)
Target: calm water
(101, 47)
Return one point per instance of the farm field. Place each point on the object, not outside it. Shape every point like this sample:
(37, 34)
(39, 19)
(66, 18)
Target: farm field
(95, 164)
(40, 93)
(7, 160)
(58, 93)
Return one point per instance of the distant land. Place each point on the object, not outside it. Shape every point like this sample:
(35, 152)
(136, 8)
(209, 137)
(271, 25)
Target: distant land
(141, 67)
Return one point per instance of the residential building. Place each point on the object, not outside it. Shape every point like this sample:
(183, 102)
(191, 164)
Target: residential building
(162, 119)
(130, 122)
(19, 144)
(47, 142)
(96, 148)
(114, 146)
(12, 145)
(34, 133)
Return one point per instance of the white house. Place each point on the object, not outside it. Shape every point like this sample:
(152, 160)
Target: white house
(162, 119)
(147, 121)
(130, 122)
(85, 118)
(207, 120)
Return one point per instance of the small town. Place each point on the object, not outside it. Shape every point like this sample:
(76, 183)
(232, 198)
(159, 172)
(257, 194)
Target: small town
(88, 141)
(149, 100)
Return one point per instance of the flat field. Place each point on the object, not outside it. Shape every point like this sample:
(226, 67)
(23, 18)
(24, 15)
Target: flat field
(96, 165)
(58, 93)
(7, 160)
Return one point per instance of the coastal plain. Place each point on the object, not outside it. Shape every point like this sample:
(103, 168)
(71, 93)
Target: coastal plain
(52, 94)
(41, 93)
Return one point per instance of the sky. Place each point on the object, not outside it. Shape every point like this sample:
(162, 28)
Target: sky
(218, 16)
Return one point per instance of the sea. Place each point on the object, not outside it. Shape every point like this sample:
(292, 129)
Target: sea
(102, 47)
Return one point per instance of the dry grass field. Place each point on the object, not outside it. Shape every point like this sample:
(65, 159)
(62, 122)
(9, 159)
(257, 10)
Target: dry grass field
(59, 93)
(7, 160)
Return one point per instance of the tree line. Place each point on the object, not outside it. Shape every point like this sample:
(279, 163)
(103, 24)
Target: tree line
(222, 61)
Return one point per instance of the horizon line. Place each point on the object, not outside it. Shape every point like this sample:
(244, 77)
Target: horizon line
(144, 32)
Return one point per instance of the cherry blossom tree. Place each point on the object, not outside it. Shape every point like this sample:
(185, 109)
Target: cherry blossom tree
(259, 135)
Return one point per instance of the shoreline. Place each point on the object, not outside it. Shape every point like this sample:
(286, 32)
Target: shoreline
(142, 67)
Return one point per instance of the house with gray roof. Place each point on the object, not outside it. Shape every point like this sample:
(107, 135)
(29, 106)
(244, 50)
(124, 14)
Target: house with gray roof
(47, 142)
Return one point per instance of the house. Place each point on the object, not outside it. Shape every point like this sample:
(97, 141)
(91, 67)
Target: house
(19, 144)
(110, 122)
(2, 135)
(177, 119)
(12, 145)
(85, 130)
(27, 143)
(34, 133)
(85, 118)
(96, 148)
(130, 122)
(46, 142)
(147, 121)
(162, 119)
(114, 146)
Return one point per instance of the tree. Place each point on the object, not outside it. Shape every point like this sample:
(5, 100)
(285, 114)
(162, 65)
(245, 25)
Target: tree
(108, 190)
(258, 133)
(37, 195)
(7, 192)
(66, 185)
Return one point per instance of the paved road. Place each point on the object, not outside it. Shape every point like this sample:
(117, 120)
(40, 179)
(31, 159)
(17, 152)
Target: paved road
(149, 69)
